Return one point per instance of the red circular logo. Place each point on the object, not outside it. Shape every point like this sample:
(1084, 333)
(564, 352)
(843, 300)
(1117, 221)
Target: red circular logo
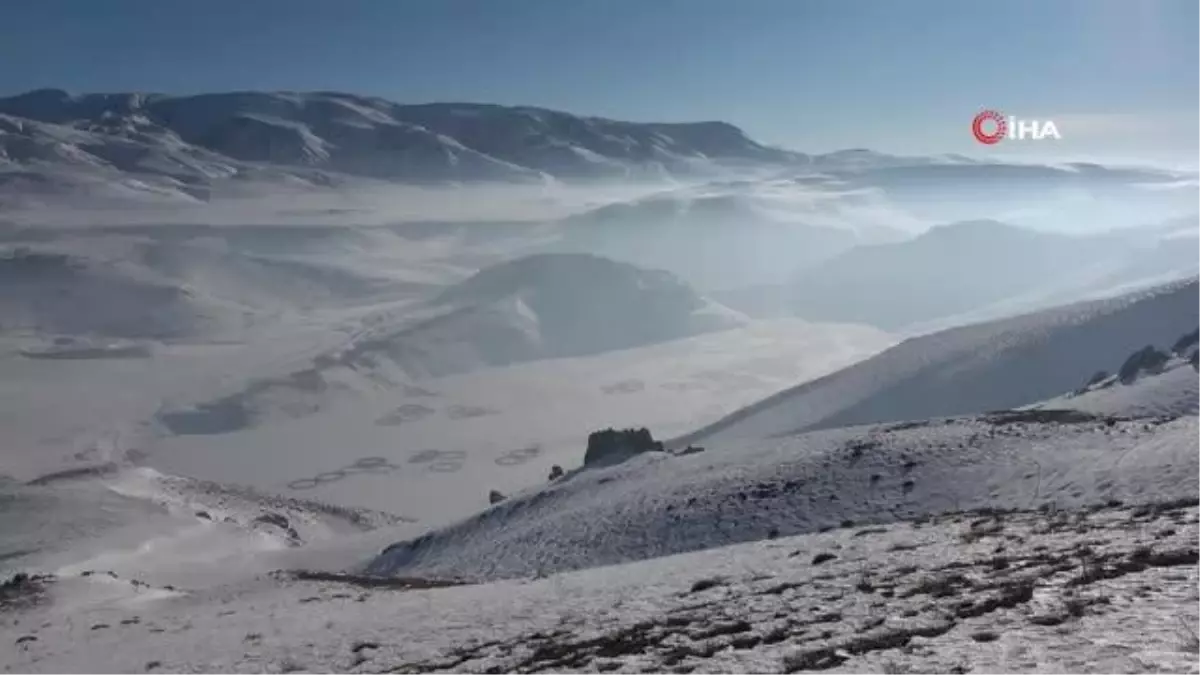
(996, 134)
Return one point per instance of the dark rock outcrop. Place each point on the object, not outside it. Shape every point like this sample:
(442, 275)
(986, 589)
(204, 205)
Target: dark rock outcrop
(612, 446)
(1146, 359)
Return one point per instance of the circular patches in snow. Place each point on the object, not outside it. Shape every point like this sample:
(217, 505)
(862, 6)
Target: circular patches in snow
(437, 461)
(519, 456)
(373, 465)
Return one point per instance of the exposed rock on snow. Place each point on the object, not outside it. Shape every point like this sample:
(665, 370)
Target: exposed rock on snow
(610, 446)
(1146, 360)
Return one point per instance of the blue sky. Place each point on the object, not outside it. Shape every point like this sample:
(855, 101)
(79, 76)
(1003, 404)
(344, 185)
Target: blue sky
(1119, 77)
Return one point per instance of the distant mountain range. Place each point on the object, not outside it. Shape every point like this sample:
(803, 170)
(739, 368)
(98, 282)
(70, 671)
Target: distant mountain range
(187, 141)
(235, 133)
(179, 147)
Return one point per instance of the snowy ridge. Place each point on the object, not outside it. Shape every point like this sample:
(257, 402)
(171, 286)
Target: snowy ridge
(991, 366)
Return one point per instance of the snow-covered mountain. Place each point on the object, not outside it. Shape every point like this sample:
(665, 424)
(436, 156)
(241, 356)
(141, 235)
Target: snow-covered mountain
(180, 144)
(538, 307)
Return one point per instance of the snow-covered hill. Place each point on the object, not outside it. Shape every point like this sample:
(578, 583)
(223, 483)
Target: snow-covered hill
(660, 504)
(531, 308)
(990, 366)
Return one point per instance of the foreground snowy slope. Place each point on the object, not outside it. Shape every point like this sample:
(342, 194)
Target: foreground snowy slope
(1111, 589)
(659, 504)
(990, 366)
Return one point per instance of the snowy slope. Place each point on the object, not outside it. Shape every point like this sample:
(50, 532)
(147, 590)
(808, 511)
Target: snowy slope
(1103, 590)
(660, 504)
(1171, 393)
(1166, 386)
(50, 292)
(990, 366)
(134, 521)
(951, 269)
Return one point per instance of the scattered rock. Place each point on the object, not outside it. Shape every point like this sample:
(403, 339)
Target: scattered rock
(556, 472)
(705, 584)
(1145, 360)
(368, 581)
(984, 636)
(496, 496)
(823, 558)
(1185, 342)
(23, 590)
(274, 519)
